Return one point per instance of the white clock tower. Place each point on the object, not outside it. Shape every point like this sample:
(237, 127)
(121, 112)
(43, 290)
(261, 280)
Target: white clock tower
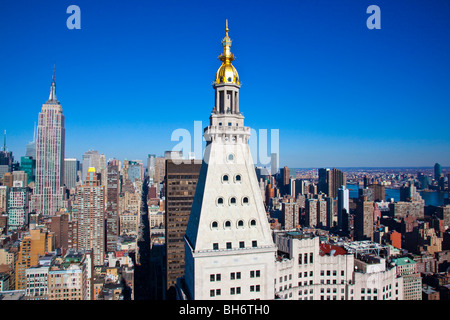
(229, 251)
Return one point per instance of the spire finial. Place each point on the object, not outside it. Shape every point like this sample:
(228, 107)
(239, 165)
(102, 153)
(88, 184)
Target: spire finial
(52, 96)
(226, 70)
(226, 43)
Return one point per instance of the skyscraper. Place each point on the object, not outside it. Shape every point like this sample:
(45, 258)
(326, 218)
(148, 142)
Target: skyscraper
(335, 179)
(364, 219)
(91, 159)
(7, 163)
(311, 206)
(4, 195)
(112, 205)
(322, 185)
(89, 207)
(437, 171)
(284, 179)
(151, 167)
(273, 163)
(102, 170)
(50, 143)
(135, 170)
(330, 181)
(343, 204)
(71, 166)
(230, 252)
(31, 146)
(160, 171)
(18, 206)
(28, 165)
(180, 185)
(379, 192)
(291, 213)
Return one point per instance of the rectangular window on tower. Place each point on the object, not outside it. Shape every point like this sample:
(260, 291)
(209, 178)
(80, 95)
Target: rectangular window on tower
(221, 102)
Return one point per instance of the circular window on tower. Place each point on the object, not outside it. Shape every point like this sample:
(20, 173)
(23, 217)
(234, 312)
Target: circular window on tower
(230, 157)
(214, 225)
(237, 178)
(227, 224)
(232, 200)
(253, 223)
(225, 178)
(240, 224)
(220, 201)
(245, 201)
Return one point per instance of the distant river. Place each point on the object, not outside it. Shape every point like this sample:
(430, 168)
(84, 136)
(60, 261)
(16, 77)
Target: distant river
(433, 198)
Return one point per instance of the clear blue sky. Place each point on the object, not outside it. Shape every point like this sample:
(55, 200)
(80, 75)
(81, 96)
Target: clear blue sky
(339, 94)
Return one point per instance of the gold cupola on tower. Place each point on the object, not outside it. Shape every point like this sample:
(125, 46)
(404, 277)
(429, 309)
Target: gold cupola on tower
(227, 72)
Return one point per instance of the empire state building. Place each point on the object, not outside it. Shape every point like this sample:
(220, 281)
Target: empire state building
(229, 250)
(48, 192)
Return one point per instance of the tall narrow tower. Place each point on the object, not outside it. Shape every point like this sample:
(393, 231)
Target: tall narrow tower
(112, 205)
(229, 252)
(49, 179)
(89, 211)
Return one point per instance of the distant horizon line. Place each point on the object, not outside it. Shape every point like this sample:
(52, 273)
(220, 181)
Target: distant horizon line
(370, 167)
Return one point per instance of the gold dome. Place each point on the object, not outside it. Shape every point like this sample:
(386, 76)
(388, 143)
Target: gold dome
(227, 73)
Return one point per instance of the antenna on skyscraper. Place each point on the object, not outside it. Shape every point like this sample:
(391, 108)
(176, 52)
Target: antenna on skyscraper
(4, 145)
(34, 132)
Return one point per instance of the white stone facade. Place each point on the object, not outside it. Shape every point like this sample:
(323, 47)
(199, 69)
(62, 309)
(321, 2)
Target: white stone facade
(229, 252)
(36, 283)
(306, 274)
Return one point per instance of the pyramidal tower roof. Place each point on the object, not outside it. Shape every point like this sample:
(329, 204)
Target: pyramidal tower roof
(228, 205)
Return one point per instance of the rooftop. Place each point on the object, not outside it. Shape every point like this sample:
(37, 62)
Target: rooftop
(403, 261)
(331, 250)
(364, 247)
(12, 295)
(299, 234)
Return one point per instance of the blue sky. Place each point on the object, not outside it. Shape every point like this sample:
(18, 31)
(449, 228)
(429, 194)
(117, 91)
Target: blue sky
(340, 94)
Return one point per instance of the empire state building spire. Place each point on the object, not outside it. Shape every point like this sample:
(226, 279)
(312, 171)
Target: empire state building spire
(52, 96)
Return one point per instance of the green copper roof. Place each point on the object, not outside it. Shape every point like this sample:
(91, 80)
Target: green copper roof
(403, 261)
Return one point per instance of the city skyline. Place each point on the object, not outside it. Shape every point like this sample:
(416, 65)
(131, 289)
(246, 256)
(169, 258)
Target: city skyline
(94, 223)
(340, 95)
